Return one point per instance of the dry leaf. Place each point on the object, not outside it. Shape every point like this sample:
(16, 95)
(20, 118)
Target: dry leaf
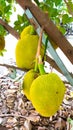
(28, 125)
(60, 124)
(11, 122)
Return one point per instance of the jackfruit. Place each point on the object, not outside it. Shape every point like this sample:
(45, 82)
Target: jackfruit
(26, 48)
(27, 81)
(47, 93)
(2, 43)
(28, 30)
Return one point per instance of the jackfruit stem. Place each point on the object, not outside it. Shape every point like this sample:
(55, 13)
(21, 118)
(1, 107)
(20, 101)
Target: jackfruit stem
(41, 66)
(38, 51)
(38, 63)
(41, 69)
(39, 44)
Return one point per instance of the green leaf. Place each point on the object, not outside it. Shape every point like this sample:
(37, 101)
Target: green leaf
(14, 8)
(50, 2)
(53, 13)
(10, 1)
(7, 8)
(2, 3)
(62, 29)
(2, 6)
(66, 19)
(2, 31)
(44, 6)
(0, 13)
(1, 53)
(57, 2)
(16, 23)
(57, 21)
(21, 23)
(20, 18)
(70, 5)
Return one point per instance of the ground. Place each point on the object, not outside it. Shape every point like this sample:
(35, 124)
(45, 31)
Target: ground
(17, 112)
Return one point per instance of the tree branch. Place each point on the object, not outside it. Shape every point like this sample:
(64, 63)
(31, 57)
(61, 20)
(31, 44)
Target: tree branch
(13, 115)
(69, 8)
(12, 66)
(9, 29)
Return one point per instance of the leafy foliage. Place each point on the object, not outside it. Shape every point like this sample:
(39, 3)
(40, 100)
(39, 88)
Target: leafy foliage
(21, 23)
(58, 10)
(6, 9)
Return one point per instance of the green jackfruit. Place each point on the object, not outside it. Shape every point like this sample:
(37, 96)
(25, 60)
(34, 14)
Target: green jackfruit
(47, 93)
(25, 51)
(27, 81)
(2, 43)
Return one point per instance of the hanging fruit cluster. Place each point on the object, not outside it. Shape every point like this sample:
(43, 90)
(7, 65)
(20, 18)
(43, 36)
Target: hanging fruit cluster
(45, 91)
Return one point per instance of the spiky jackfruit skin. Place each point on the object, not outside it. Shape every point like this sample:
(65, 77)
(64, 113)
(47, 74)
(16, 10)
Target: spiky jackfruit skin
(25, 51)
(26, 48)
(2, 43)
(47, 93)
(27, 81)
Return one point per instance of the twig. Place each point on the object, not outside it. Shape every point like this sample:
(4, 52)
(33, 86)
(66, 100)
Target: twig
(39, 44)
(15, 115)
(12, 115)
(14, 67)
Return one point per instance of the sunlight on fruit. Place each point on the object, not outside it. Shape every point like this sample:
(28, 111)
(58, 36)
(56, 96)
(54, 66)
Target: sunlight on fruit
(47, 93)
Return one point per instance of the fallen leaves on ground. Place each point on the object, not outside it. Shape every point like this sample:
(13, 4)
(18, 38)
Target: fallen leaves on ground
(17, 113)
